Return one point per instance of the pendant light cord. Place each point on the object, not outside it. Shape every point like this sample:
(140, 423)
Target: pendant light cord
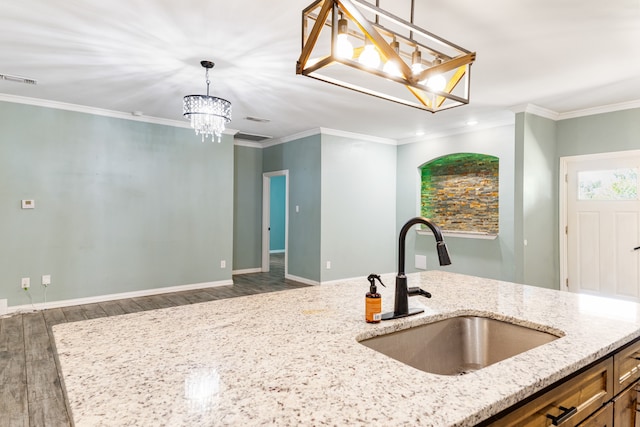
(411, 19)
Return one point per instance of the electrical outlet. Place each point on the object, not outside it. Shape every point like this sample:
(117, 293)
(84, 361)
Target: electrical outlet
(25, 283)
(223, 264)
(46, 279)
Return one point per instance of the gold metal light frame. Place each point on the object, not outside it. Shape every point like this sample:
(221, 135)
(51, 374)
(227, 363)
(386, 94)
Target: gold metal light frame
(420, 57)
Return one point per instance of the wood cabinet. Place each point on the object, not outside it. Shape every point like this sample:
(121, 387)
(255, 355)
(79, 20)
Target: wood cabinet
(626, 366)
(602, 418)
(568, 403)
(626, 407)
(604, 395)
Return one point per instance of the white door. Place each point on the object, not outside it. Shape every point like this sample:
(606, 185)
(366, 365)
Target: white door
(603, 225)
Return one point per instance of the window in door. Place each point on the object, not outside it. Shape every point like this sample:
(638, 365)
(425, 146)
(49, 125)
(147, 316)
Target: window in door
(610, 184)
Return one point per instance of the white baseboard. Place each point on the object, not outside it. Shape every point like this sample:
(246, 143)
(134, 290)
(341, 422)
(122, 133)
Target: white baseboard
(123, 295)
(301, 280)
(247, 271)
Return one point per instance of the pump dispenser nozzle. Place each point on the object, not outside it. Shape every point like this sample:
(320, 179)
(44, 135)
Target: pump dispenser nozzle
(372, 279)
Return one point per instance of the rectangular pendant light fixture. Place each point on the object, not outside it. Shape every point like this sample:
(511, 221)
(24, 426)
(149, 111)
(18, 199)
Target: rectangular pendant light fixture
(359, 46)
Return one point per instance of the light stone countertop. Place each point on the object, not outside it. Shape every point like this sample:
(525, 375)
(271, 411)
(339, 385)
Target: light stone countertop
(293, 357)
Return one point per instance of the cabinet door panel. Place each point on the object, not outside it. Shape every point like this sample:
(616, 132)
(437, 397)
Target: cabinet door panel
(602, 418)
(626, 366)
(625, 409)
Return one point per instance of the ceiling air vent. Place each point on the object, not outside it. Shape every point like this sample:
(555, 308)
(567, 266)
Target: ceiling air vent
(257, 119)
(18, 79)
(250, 137)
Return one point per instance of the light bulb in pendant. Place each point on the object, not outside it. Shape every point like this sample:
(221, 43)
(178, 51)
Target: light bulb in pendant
(416, 62)
(437, 83)
(344, 48)
(369, 56)
(391, 67)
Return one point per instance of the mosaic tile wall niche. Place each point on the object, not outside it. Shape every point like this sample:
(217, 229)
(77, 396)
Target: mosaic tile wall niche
(460, 192)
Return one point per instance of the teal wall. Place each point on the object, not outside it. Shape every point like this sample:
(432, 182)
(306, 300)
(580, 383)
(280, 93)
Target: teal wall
(615, 131)
(277, 218)
(358, 207)
(247, 208)
(485, 258)
(302, 158)
(537, 201)
(126, 206)
(121, 205)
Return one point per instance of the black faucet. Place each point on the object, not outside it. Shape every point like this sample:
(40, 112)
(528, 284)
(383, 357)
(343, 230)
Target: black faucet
(401, 303)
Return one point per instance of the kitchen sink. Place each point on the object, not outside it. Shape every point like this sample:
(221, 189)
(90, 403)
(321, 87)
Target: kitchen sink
(458, 345)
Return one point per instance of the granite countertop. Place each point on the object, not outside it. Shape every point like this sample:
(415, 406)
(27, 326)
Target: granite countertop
(293, 357)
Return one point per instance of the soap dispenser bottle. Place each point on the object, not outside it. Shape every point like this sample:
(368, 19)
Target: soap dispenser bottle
(373, 300)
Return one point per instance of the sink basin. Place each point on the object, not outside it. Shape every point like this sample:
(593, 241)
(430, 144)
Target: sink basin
(458, 345)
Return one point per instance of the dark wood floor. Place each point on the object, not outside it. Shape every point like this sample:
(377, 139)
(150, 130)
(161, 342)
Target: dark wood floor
(30, 390)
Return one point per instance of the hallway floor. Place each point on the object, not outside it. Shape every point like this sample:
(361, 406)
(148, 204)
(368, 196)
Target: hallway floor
(31, 392)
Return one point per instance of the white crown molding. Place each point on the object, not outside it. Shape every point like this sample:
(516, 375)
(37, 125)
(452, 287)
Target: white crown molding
(277, 141)
(99, 111)
(534, 109)
(360, 136)
(328, 131)
(600, 110)
(526, 108)
(245, 143)
(553, 115)
(91, 110)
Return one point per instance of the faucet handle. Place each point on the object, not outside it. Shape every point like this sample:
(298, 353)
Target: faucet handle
(417, 291)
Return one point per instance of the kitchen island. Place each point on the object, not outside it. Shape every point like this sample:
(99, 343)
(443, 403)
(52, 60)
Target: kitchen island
(293, 357)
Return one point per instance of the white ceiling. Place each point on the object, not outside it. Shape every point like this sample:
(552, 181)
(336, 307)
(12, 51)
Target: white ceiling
(144, 55)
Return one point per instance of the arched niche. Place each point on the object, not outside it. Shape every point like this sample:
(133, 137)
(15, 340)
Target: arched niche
(459, 192)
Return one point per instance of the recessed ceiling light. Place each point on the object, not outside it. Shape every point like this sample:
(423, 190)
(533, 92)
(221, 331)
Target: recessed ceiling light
(420, 133)
(472, 122)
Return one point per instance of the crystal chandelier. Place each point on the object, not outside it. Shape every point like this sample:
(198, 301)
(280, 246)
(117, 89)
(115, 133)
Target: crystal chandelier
(208, 114)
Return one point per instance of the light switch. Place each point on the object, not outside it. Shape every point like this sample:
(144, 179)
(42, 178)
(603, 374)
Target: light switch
(28, 204)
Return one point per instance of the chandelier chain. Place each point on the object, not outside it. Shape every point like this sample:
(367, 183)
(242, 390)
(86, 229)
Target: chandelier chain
(208, 81)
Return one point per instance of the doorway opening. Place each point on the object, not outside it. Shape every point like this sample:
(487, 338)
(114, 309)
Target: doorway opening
(275, 221)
